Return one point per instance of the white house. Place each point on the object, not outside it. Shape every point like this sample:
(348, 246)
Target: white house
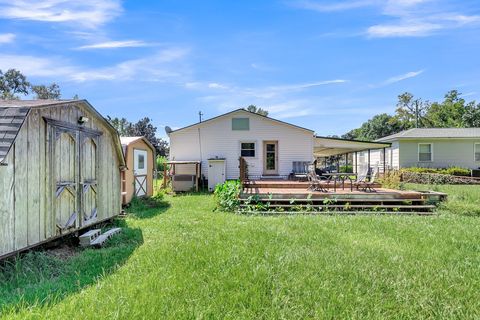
(269, 146)
(431, 147)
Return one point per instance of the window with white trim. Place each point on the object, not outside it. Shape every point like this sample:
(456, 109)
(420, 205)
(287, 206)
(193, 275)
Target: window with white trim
(247, 149)
(477, 152)
(425, 152)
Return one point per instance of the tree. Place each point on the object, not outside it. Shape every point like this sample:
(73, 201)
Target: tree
(255, 109)
(122, 125)
(47, 92)
(410, 112)
(447, 114)
(453, 111)
(471, 116)
(143, 127)
(13, 82)
(377, 127)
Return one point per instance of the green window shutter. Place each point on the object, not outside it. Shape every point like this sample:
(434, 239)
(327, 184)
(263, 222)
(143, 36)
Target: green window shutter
(241, 124)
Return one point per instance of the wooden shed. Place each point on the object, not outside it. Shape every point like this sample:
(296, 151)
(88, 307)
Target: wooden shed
(60, 167)
(137, 179)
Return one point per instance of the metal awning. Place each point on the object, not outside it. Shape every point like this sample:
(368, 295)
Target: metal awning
(326, 146)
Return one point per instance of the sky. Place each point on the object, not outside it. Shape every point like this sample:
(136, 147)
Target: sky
(325, 65)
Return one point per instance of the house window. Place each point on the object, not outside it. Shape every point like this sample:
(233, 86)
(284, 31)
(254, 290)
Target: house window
(241, 124)
(425, 152)
(477, 152)
(247, 149)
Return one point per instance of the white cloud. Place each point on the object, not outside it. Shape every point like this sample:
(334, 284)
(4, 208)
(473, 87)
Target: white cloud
(33, 66)
(115, 44)
(158, 67)
(215, 85)
(402, 77)
(163, 66)
(334, 6)
(403, 29)
(282, 101)
(7, 37)
(410, 18)
(88, 13)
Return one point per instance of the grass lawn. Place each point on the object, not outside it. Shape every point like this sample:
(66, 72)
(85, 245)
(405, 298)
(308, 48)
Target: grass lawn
(184, 261)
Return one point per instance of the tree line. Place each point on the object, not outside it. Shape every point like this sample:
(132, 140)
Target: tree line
(143, 127)
(412, 112)
(13, 84)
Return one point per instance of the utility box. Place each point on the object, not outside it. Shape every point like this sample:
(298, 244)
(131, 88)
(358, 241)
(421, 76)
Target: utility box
(216, 172)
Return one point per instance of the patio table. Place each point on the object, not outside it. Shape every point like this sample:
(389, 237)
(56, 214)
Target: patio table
(341, 176)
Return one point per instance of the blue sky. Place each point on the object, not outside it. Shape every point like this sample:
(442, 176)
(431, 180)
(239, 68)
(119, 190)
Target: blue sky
(325, 65)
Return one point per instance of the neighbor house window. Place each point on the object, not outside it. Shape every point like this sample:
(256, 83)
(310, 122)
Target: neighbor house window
(477, 152)
(241, 124)
(425, 152)
(247, 149)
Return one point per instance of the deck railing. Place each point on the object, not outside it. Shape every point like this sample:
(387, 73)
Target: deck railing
(243, 166)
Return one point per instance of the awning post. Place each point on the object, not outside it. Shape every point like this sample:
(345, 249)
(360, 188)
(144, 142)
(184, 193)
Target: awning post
(384, 161)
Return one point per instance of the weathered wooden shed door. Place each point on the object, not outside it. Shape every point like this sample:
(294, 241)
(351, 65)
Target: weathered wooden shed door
(64, 165)
(73, 164)
(88, 177)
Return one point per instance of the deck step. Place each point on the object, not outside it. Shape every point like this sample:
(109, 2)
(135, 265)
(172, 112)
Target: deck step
(267, 199)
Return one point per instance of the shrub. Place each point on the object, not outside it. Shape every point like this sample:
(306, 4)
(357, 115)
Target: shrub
(226, 195)
(161, 163)
(436, 178)
(453, 171)
(348, 168)
(392, 180)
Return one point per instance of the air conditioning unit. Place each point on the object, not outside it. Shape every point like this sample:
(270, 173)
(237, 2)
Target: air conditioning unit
(183, 182)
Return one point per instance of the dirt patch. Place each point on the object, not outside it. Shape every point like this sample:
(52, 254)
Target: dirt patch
(63, 252)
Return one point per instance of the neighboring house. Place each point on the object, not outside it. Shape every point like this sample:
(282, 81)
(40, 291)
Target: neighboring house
(433, 148)
(269, 146)
(137, 179)
(60, 164)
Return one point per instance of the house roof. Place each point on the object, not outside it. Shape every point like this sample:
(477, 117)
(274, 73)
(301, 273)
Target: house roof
(327, 146)
(242, 110)
(14, 112)
(452, 133)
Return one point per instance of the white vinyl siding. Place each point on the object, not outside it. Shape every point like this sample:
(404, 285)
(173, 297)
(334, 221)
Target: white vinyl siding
(425, 152)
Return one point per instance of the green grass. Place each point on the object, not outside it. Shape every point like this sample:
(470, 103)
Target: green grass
(184, 261)
(462, 199)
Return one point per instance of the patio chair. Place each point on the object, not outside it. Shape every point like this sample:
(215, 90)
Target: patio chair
(315, 182)
(367, 186)
(300, 169)
(362, 175)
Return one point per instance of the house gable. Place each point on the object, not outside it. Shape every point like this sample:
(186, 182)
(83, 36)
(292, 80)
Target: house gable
(241, 112)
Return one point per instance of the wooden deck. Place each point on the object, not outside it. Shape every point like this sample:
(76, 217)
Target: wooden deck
(291, 196)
